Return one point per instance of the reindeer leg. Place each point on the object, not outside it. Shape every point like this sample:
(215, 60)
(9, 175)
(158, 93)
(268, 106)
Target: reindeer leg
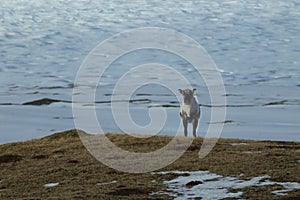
(195, 125)
(185, 124)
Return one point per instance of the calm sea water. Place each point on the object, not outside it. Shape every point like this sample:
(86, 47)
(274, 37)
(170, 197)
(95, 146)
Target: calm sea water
(255, 44)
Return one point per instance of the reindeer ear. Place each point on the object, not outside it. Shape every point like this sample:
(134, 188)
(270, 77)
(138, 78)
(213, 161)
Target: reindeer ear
(181, 91)
(194, 89)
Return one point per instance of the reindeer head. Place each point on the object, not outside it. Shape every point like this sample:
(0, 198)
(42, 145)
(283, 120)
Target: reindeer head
(187, 95)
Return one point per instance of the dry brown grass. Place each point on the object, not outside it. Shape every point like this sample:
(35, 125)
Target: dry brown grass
(26, 166)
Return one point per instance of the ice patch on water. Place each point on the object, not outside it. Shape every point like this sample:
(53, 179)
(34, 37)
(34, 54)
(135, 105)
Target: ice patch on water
(207, 185)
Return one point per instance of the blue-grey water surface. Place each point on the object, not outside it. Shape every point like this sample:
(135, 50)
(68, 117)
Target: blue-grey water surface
(255, 44)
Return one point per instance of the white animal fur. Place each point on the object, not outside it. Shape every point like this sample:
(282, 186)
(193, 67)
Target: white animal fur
(189, 110)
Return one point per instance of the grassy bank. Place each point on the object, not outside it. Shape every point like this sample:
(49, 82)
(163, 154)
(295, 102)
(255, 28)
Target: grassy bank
(25, 167)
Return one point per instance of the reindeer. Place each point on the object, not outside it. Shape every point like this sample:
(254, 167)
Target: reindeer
(189, 110)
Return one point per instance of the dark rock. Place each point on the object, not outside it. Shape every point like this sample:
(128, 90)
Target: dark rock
(193, 183)
(275, 103)
(7, 158)
(39, 102)
(129, 191)
(73, 161)
(39, 157)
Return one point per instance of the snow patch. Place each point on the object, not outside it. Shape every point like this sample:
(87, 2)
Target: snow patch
(206, 185)
(239, 144)
(50, 185)
(107, 183)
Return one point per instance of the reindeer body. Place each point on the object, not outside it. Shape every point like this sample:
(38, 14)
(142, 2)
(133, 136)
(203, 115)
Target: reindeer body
(189, 110)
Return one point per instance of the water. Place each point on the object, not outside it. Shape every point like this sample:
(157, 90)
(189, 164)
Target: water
(255, 44)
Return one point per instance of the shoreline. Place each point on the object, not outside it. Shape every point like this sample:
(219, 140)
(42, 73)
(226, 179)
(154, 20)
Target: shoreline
(138, 135)
(59, 166)
(267, 119)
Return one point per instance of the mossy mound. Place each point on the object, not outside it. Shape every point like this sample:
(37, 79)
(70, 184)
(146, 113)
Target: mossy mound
(25, 167)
